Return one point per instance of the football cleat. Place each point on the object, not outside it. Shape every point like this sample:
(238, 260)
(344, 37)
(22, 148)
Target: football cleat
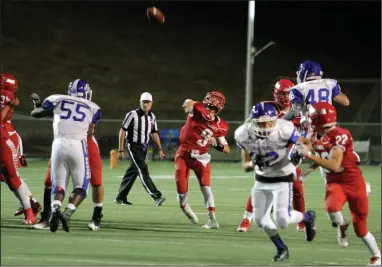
(375, 261)
(30, 218)
(41, 225)
(300, 227)
(122, 201)
(65, 219)
(54, 220)
(95, 224)
(211, 224)
(159, 201)
(244, 225)
(310, 226)
(190, 214)
(36, 207)
(281, 255)
(342, 235)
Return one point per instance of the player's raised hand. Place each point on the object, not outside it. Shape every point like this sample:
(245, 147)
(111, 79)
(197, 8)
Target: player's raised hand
(303, 150)
(36, 100)
(187, 105)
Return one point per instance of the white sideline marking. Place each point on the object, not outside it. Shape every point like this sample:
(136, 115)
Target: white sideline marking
(73, 260)
(171, 177)
(305, 248)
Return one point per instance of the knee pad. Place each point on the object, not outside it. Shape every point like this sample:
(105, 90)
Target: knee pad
(336, 217)
(58, 190)
(79, 191)
(281, 219)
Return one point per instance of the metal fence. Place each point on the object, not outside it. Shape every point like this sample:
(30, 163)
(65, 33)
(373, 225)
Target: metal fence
(37, 136)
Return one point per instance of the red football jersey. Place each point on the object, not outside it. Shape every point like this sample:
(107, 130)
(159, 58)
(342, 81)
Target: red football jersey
(281, 113)
(6, 98)
(339, 137)
(200, 127)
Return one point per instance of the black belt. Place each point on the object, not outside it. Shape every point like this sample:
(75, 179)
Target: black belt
(281, 179)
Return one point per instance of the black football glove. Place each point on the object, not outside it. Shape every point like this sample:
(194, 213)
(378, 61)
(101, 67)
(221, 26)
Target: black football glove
(36, 100)
(258, 161)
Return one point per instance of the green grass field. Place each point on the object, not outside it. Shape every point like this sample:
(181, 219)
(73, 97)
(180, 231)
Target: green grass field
(144, 234)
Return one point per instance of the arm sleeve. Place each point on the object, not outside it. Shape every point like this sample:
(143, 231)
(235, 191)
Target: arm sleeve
(96, 116)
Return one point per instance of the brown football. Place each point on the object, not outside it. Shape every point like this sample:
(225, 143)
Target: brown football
(154, 13)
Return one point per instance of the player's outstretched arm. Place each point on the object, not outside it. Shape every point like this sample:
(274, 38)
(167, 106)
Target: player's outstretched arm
(342, 99)
(41, 113)
(333, 163)
(246, 161)
(293, 112)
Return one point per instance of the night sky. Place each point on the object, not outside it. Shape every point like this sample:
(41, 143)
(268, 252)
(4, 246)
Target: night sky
(200, 47)
(338, 34)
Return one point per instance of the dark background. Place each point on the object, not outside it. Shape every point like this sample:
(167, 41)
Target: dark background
(201, 47)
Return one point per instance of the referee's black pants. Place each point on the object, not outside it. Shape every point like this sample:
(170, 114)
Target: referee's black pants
(138, 167)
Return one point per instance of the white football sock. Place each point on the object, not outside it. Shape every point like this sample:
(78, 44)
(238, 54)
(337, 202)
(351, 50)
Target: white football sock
(370, 242)
(295, 216)
(182, 199)
(22, 192)
(208, 196)
(248, 215)
(337, 218)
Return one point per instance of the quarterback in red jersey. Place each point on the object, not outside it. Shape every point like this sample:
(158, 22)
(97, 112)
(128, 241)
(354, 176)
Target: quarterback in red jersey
(345, 182)
(9, 158)
(203, 128)
(282, 104)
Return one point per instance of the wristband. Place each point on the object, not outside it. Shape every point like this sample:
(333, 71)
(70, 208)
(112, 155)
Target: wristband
(159, 149)
(219, 147)
(121, 150)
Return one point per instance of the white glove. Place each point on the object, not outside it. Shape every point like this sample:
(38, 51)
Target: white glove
(303, 150)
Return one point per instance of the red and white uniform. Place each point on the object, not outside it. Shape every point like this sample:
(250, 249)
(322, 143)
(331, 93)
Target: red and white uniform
(192, 152)
(348, 185)
(9, 158)
(8, 125)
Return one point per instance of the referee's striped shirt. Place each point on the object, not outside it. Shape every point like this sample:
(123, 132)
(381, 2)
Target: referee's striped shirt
(139, 126)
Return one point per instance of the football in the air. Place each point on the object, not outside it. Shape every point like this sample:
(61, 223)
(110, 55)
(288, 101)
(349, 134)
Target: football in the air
(154, 13)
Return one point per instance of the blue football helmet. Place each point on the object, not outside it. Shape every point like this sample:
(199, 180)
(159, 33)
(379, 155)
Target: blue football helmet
(308, 69)
(263, 112)
(80, 88)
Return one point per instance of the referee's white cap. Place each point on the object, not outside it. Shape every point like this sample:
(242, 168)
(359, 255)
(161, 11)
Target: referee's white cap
(146, 96)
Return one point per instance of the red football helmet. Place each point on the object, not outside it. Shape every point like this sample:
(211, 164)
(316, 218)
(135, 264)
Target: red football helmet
(215, 99)
(8, 82)
(281, 92)
(322, 115)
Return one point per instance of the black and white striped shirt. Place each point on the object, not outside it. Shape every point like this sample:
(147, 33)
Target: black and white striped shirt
(139, 126)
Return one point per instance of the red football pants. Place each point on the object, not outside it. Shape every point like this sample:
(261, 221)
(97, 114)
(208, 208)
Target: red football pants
(338, 194)
(183, 164)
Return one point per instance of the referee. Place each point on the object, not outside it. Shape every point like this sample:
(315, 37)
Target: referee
(136, 128)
